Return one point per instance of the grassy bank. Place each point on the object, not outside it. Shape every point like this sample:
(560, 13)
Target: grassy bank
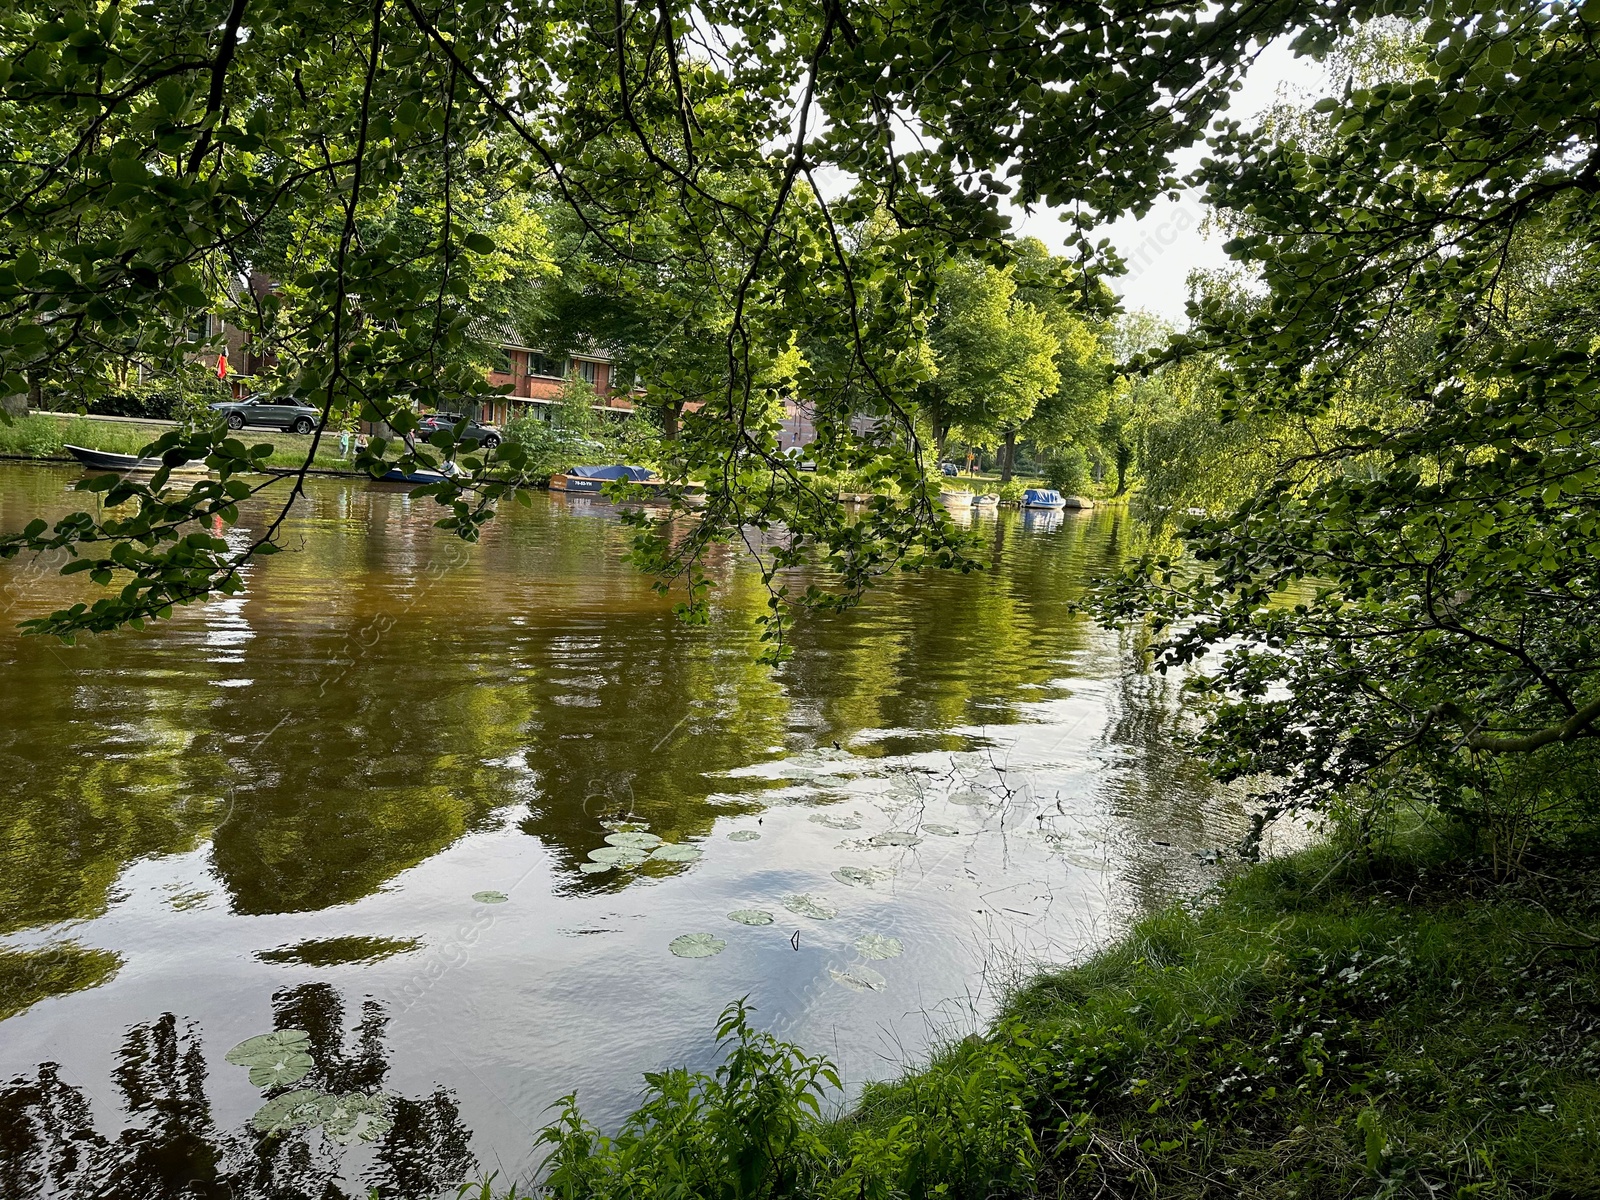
(43, 436)
(1333, 1027)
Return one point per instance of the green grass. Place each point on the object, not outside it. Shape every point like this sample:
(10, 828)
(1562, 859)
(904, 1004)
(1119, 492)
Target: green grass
(1330, 1028)
(43, 436)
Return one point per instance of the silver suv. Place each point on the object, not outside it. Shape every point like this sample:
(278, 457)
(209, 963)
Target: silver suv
(273, 414)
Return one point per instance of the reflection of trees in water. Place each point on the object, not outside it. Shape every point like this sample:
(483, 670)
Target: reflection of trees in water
(171, 1147)
(1162, 794)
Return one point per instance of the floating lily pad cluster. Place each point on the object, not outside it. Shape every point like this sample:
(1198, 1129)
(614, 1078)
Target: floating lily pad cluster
(626, 849)
(274, 1059)
(835, 820)
(878, 945)
(863, 876)
(697, 945)
(282, 1057)
(860, 977)
(744, 835)
(810, 906)
(970, 798)
(894, 837)
(345, 1119)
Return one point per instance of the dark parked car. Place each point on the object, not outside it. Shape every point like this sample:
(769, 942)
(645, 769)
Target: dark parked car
(487, 435)
(274, 414)
(949, 469)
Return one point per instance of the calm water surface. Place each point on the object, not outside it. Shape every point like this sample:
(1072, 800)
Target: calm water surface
(275, 811)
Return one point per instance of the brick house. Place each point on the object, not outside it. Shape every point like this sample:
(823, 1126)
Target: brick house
(535, 378)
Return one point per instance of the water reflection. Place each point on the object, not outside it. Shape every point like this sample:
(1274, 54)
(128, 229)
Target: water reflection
(320, 777)
(170, 1146)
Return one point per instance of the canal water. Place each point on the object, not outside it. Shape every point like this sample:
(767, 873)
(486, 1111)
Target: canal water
(353, 807)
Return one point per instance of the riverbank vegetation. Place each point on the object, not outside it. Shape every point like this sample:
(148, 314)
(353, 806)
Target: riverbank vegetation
(1353, 1020)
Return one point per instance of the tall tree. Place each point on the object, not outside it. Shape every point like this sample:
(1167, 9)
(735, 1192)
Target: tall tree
(1432, 293)
(994, 355)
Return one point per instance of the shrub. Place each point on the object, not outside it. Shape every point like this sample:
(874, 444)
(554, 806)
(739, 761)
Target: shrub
(185, 396)
(1068, 471)
(1011, 493)
(746, 1132)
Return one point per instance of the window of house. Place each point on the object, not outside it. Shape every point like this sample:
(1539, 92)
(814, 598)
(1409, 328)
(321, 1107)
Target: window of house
(587, 371)
(500, 361)
(543, 364)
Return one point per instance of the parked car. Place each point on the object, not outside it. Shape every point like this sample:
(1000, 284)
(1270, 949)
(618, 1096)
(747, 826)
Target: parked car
(273, 413)
(487, 436)
(950, 469)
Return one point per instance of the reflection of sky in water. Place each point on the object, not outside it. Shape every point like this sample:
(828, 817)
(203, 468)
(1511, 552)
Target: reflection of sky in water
(962, 764)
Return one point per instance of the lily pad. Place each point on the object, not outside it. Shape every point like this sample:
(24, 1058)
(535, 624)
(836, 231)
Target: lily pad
(941, 830)
(810, 906)
(744, 835)
(878, 945)
(862, 978)
(835, 820)
(618, 856)
(751, 916)
(969, 798)
(634, 839)
(355, 1117)
(894, 838)
(265, 1047)
(293, 1110)
(674, 852)
(855, 876)
(490, 897)
(697, 945)
(593, 868)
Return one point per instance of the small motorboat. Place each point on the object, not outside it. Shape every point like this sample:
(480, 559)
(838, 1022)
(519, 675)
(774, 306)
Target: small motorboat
(952, 498)
(105, 460)
(593, 479)
(396, 475)
(986, 500)
(1042, 498)
(447, 470)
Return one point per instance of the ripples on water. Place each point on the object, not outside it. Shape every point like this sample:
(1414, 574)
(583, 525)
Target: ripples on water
(274, 811)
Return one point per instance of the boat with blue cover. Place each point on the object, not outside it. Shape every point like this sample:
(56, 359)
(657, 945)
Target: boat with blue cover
(592, 479)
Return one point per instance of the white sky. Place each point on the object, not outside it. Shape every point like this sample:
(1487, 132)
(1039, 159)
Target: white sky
(1164, 246)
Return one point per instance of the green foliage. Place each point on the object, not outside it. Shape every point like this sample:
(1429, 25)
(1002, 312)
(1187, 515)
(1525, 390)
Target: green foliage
(1068, 471)
(745, 1132)
(1011, 491)
(1400, 596)
(994, 354)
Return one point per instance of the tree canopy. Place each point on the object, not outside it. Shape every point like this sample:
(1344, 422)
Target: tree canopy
(1407, 340)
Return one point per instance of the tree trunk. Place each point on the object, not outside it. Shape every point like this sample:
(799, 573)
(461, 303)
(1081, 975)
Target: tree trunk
(669, 421)
(1124, 461)
(18, 405)
(1008, 457)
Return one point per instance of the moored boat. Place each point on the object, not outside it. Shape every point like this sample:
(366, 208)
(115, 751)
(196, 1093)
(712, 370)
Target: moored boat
(986, 500)
(396, 475)
(105, 460)
(593, 479)
(1042, 498)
